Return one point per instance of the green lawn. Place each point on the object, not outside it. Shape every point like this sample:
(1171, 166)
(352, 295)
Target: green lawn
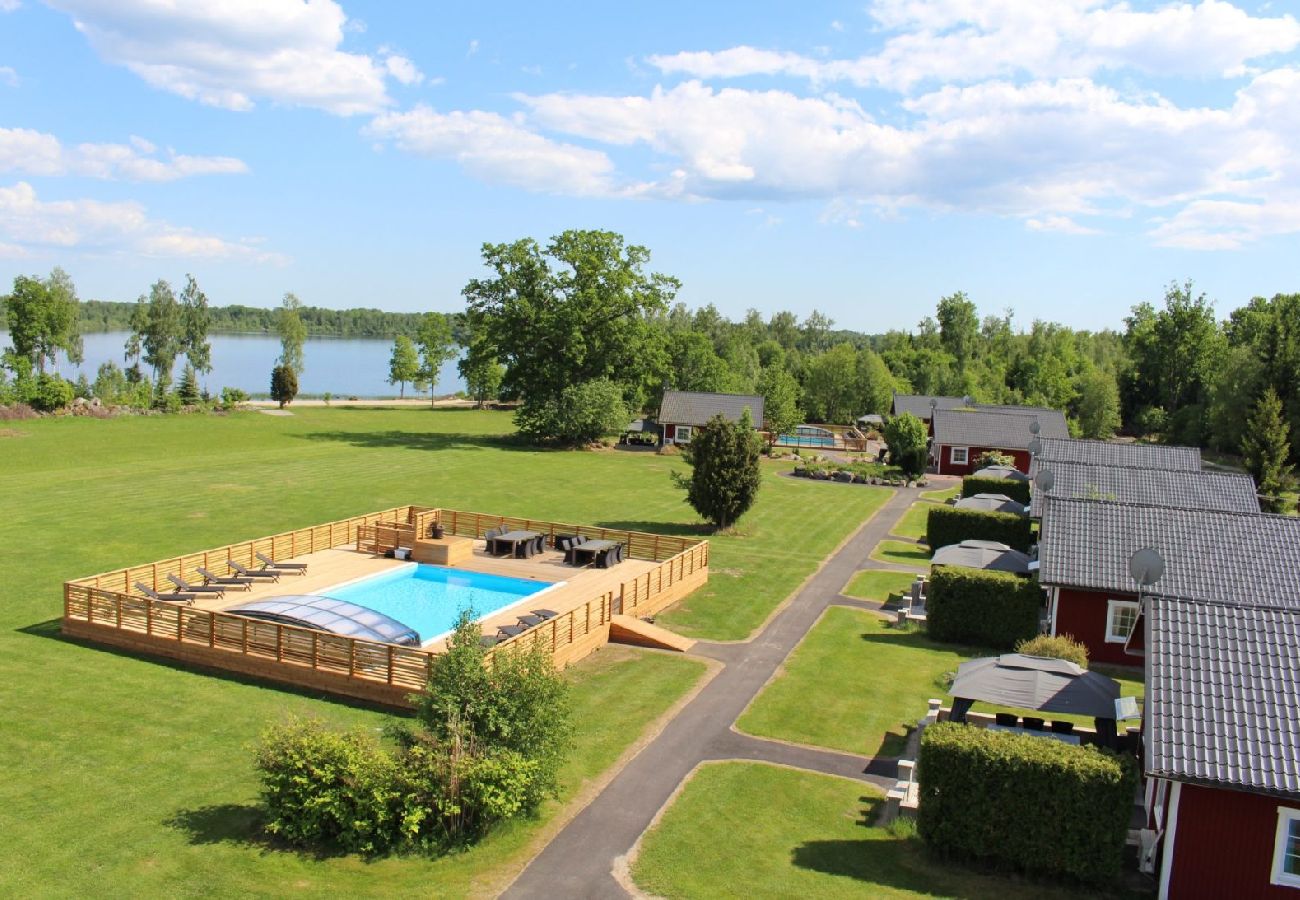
(902, 553)
(878, 585)
(914, 522)
(856, 684)
(129, 776)
(942, 496)
(757, 831)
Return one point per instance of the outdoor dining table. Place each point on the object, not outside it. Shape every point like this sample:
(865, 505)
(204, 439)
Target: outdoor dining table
(590, 550)
(516, 541)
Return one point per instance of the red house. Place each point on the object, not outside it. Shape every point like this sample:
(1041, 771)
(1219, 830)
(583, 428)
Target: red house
(1222, 746)
(1085, 545)
(681, 412)
(960, 436)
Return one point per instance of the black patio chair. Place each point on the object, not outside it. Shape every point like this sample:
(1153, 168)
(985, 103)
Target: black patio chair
(1007, 719)
(186, 588)
(227, 581)
(530, 620)
(1032, 723)
(1059, 727)
(544, 613)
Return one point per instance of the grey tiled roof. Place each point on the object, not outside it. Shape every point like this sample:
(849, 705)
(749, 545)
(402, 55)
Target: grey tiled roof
(1228, 557)
(1229, 491)
(1004, 430)
(1223, 695)
(696, 408)
(919, 404)
(1112, 453)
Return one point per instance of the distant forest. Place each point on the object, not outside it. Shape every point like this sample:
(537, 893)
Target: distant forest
(109, 315)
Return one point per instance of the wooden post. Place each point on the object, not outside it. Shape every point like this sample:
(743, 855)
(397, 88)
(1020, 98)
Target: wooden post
(148, 617)
(279, 642)
(117, 607)
(314, 651)
(244, 628)
(390, 663)
(212, 629)
(180, 626)
(352, 658)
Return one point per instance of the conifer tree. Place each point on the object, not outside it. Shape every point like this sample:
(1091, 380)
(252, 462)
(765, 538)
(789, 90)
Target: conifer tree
(1266, 450)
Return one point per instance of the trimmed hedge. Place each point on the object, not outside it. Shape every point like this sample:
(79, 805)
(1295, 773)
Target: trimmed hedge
(1036, 805)
(1016, 490)
(950, 525)
(988, 609)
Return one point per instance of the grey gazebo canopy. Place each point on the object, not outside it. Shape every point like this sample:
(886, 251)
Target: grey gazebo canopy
(1010, 473)
(992, 503)
(989, 555)
(1033, 682)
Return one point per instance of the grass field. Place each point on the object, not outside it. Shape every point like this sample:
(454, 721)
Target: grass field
(722, 837)
(914, 522)
(878, 585)
(855, 684)
(942, 496)
(902, 553)
(129, 776)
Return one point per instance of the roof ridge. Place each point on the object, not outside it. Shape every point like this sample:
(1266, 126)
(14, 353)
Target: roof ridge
(1224, 604)
(1074, 440)
(1049, 498)
(1097, 465)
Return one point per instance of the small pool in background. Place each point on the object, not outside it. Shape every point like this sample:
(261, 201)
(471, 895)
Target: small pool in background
(429, 599)
(808, 436)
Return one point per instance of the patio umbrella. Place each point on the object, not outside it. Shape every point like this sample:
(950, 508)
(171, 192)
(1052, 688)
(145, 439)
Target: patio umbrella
(989, 555)
(992, 503)
(1033, 682)
(1010, 473)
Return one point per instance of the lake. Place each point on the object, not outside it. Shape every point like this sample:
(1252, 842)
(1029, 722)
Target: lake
(344, 367)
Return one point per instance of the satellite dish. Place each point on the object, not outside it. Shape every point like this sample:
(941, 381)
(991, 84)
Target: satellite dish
(1045, 480)
(933, 403)
(1034, 427)
(1035, 446)
(968, 400)
(1146, 566)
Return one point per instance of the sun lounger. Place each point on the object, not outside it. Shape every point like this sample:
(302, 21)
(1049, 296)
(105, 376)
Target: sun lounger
(273, 574)
(530, 620)
(489, 640)
(170, 598)
(268, 563)
(226, 581)
(186, 587)
(506, 631)
(544, 613)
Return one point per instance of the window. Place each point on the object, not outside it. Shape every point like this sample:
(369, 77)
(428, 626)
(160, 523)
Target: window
(959, 456)
(1286, 852)
(1121, 616)
(683, 434)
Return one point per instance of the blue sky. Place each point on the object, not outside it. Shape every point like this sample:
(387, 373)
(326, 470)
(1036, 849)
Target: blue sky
(1063, 158)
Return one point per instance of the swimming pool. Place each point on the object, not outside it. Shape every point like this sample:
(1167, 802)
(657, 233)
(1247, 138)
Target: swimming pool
(429, 599)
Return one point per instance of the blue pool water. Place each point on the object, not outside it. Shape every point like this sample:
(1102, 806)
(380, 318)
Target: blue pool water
(430, 598)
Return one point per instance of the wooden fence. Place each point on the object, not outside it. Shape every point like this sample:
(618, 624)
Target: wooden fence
(102, 608)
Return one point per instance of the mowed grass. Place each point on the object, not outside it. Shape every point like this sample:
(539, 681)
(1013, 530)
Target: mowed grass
(856, 684)
(902, 553)
(129, 776)
(759, 831)
(914, 522)
(878, 585)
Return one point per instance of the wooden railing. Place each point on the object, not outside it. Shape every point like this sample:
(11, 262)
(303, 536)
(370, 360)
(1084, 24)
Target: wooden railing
(640, 544)
(644, 590)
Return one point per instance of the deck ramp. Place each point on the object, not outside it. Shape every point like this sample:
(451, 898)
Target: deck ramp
(631, 630)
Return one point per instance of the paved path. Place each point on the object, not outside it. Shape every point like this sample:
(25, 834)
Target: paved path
(579, 861)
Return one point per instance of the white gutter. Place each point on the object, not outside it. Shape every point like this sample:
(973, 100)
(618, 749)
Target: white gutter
(1171, 831)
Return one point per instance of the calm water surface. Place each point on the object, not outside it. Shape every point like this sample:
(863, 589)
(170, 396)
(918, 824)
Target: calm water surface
(344, 367)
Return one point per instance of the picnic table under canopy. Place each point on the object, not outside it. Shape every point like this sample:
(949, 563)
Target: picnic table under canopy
(1038, 683)
(989, 555)
(993, 503)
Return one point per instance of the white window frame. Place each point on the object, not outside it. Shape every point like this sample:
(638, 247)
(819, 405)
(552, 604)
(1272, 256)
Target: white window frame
(683, 434)
(965, 456)
(1112, 606)
(1287, 819)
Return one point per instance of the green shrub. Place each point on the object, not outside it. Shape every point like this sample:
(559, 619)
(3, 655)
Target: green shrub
(232, 397)
(284, 385)
(1016, 490)
(50, 393)
(582, 413)
(994, 458)
(1036, 805)
(989, 609)
(1056, 646)
(946, 525)
(907, 437)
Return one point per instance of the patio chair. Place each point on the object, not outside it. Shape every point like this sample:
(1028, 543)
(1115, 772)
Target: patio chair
(170, 598)
(1008, 720)
(1032, 723)
(268, 563)
(530, 620)
(490, 538)
(273, 574)
(226, 581)
(539, 544)
(186, 588)
(1059, 727)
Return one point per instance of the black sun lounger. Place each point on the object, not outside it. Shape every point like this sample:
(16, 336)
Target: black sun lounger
(226, 581)
(170, 598)
(185, 587)
(273, 574)
(268, 563)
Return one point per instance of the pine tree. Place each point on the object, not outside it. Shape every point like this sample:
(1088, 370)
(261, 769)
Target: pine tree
(1266, 451)
(188, 389)
(725, 474)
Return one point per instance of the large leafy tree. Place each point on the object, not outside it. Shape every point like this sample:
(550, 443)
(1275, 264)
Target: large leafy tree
(959, 328)
(196, 319)
(874, 387)
(162, 331)
(404, 364)
(436, 345)
(1097, 404)
(780, 394)
(1266, 451)
(830, 385)
(906, 437)
(42, 319)
(579, 309)
(293, 334)
(725, 474)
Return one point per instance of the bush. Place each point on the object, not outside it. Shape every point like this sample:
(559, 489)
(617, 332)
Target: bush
(50, 393)
(994, 458)
(583, 413)
(989, 609)
(948, 525)
(284, 385)
(1056, 646)
(1016, 490)
(907, 438)
(1039, 806)
(232, 397)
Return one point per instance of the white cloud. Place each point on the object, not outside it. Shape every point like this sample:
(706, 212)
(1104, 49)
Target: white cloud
(29, 152)
(473, 47)
(497, 149)
(234, 53)
(27, 222)
(403, 69)
(8, 6)
(1058, 223)
(8, 76)
(969, 40)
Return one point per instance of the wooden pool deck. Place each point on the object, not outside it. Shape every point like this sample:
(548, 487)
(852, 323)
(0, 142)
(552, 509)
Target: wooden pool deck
(328, 568)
